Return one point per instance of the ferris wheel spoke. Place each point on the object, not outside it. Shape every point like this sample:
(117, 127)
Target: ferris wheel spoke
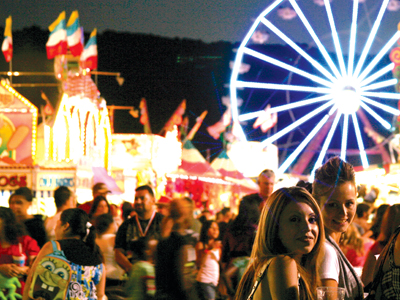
(253, 115)
(384, 107)
(389, 96)
(363, 155)
(344, 136)
(371, 37)
(378, 74)
(297, 123)
(335, 37)
(353, 34)
(327, 142)
(380, 54)
(380, 85)
(292, 44)
(377, 117)
(288, 67)
(316, 39)
(282, 87)
(303, 144)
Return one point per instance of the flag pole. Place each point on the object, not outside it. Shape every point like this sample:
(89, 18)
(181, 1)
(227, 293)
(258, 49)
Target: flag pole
(10, 69)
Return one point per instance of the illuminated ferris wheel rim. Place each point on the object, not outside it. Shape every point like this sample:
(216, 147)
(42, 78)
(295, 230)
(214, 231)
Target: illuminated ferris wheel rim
(342, 90)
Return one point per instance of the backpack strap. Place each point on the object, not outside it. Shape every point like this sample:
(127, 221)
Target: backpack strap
(260, 276)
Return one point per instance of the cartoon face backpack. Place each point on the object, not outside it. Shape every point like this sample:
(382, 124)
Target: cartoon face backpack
(51, 277)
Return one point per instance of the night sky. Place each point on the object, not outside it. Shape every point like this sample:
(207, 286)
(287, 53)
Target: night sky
(209, 21)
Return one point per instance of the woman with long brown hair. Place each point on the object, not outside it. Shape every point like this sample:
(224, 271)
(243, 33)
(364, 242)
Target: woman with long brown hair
(287, 249)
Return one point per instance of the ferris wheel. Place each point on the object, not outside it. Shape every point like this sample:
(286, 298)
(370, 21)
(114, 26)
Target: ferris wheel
(339, 90)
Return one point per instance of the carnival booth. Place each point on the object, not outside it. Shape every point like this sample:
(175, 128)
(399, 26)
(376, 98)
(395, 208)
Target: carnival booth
(197, 179)
(139, 159)
(18, 120)
(77, 136)
(240, 185)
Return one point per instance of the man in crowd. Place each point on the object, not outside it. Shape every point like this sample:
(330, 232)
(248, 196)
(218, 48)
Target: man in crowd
(19, 203)
(99, 189)
(145, 222)
(64, 199)
(226, 216)
(266, 182)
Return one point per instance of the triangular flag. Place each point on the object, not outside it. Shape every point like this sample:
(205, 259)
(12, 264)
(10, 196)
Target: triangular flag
(219, 127)
(74, 34)
(144, 116)
(176, 118)
(7, 46)
(196, 126)
(88, 58)
(57, 42)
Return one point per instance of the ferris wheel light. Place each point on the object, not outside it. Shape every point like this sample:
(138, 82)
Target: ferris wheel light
(276, 109)
(287, 67)
(312, 61)
(344, 89)
(378, 74)
(371, 38)
(344, 137)
(384, 107)
(353, 33)
(282, 87)
(315, 38)
(380, 85)
(363, 155)
(347, 100)
(335, 38)
(303, 144)
(296, 124)
(377, 117)
(379, 56)
(389, 96)
(326, 143)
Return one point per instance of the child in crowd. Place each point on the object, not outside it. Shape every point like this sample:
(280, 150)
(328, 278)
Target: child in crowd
(141, 283)
(208, 254)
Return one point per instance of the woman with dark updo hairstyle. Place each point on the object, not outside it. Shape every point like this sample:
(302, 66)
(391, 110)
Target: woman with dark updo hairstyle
(75, 236)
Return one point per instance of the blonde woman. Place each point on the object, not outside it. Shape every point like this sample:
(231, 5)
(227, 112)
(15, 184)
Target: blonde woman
(334, 188)
(287, 249)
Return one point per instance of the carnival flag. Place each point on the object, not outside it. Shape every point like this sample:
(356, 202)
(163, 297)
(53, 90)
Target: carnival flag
(88, 58)
(267, 120)
(144, 116)
(7, 46)
(48, 109)
(57, 43)
(176, 118)
(196, 126)
(219, 127)
(74, 34)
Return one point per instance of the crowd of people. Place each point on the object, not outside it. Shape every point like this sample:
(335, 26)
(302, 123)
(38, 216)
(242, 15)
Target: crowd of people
(282, 244)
